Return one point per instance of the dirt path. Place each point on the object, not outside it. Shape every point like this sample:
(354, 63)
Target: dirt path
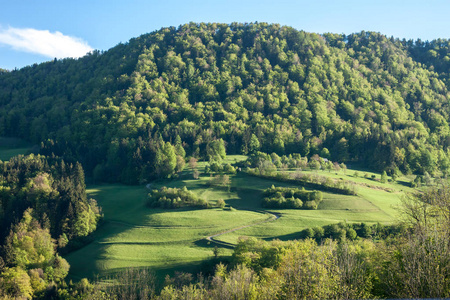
(211, 238)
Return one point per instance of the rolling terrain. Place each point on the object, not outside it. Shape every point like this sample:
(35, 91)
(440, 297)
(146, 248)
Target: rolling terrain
(217, 114)
(165, 240)
(362, 97)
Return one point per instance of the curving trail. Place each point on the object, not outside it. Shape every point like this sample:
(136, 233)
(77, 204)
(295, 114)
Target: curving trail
(211, 238)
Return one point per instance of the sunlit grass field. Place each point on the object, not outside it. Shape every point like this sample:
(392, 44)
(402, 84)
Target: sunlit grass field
(134, 235)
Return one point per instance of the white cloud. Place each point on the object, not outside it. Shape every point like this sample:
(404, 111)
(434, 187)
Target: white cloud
(44, 42)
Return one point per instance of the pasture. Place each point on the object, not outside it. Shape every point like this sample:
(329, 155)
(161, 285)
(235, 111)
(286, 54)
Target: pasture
(134, 235)
(10, 147)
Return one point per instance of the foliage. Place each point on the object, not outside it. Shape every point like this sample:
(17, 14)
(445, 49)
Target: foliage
(215, 150)
(383, 178)
(175, 198)
(204, 88)
(220, 181)
(337, 261)
(304, 270)
(266, 166)
(49, 197)
(55, 190)
(215, 167)
(132, 284)
(419, 266)
(279, 197)
(315, 182)
(342, 231)
(32, 263)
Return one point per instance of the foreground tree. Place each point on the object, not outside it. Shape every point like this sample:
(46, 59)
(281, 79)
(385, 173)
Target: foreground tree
(32, 263)
(419, 265)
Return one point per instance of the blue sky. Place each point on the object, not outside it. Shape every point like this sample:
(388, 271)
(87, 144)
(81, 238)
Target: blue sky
(34, 31)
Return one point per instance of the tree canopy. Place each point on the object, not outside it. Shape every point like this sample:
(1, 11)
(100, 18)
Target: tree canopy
(193, 89)
(43, 206)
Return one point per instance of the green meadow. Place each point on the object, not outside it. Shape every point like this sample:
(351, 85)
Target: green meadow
(133, 235)
(10, 147)
(165, 240)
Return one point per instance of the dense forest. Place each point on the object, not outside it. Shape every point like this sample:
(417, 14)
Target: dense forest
(53, 189)
(133, 113)
(142, 110)
(43, 207)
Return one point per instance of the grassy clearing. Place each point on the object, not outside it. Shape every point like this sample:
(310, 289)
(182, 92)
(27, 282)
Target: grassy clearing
(134, 235)
(10, 147)
(371, 205)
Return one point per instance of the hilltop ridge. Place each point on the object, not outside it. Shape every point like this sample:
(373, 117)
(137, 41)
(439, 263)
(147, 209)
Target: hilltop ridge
(131, 111)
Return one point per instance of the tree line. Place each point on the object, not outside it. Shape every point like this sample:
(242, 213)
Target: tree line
(410, 259)
(284, 197)
(43, 208)
(245, 87)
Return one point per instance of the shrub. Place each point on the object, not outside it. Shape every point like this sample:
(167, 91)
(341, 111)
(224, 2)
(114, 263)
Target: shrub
(215, 167)
(220, 203)
(315, 196)
(383, 177)
(196, 174)
(307, 233)
(229, 169)
(310, 205)
(175, 198)
(220, 181)
(351, 234)
(315, 182)
(319, 233)
(284, 197)
(343, 230)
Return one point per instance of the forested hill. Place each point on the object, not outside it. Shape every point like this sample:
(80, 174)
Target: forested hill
(135, 111)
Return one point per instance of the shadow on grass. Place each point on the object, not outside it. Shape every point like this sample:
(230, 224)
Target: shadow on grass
(204, 243)
(236, 203)
(203, 268)
(88, 261)
(286, 237)
(404, 183)
(124, 208)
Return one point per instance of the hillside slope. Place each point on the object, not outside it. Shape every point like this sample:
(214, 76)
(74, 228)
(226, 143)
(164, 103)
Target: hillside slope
(134, 110)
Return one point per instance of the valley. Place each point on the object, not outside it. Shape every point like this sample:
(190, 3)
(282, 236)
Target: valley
(228, 161)
(165, 240)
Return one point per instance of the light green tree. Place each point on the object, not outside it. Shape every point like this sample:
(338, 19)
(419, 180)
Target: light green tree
(383, 178)
(254, 144)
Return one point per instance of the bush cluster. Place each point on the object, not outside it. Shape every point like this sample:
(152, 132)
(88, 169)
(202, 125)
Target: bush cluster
(175, 198)
(284, 197)
(217, 168)
(341, 231)
(293, 161)
(323, 183)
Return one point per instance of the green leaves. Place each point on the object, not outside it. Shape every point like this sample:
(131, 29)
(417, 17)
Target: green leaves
(32, 259)
(362, 96)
